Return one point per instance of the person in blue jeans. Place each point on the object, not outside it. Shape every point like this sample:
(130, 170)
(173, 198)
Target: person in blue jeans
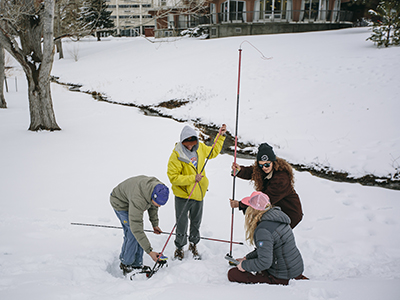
(130, 199)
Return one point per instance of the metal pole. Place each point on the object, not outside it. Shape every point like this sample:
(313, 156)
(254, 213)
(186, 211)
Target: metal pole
(236, 134)
(148, 230)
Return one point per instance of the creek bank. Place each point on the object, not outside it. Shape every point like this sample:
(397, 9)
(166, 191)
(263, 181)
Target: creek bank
(248, 151)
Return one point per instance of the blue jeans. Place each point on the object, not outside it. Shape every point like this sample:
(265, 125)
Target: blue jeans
(131, 252)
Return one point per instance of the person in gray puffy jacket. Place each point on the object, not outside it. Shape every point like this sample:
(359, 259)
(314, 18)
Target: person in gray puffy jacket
(276, 258)
(130, 199)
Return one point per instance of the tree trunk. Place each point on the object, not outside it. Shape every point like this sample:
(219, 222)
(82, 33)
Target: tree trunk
(59, 49)
(3, 103)
(57, 30)
(40, 102)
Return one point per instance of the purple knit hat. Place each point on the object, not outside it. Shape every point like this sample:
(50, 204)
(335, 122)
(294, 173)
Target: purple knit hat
(160, 194)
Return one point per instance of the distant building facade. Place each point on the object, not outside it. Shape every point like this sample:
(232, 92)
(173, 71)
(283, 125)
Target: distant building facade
(131, 17)
(243, 17)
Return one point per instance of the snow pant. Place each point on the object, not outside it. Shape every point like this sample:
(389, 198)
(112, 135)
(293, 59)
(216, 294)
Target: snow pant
(187, 210)
(131, 251)
(235, 275)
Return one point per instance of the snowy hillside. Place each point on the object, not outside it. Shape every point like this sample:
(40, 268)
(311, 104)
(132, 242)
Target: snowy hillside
(319, 95)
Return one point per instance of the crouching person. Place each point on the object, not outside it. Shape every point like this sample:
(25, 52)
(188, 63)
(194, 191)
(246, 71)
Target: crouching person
(130, 199)
(276, 258)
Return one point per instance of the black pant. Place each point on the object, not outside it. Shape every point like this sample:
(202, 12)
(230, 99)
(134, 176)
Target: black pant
(187, 210)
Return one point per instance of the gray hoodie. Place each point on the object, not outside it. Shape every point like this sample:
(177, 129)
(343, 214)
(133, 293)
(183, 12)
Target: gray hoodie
(191, 155)
(134, 195)
(276, 250)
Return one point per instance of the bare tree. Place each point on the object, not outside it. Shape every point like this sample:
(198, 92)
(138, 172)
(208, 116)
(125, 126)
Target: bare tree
(26, 32)
(57, 28)
(68, 22)
(3, 103)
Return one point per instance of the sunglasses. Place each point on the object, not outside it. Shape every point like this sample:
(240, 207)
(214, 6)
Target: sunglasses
(267, 165)
(190, 139)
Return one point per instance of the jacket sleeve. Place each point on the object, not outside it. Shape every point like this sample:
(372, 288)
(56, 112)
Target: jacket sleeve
(252, 254)
(136, 225)
(264, 258)
(278, 187)
(174, 172)
(153, 216)
(245, 172)
(217, 148)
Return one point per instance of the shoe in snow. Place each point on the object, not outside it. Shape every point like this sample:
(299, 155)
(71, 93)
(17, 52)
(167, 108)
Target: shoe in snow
(134, 269)
(193, 249)
(125, 269)
(146, 270)
(179, 254)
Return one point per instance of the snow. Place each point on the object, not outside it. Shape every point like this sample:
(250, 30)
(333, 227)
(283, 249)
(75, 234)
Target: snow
(324, 97)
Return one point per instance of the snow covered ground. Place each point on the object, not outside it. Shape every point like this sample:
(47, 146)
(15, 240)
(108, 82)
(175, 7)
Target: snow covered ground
(324, 97)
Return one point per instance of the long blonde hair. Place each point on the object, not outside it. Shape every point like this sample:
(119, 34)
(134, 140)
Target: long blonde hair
(252, 218)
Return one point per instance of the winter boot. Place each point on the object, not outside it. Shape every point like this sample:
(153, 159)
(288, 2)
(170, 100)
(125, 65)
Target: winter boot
(193, 249)
(179, 254)
(125, 269)
(129, 269)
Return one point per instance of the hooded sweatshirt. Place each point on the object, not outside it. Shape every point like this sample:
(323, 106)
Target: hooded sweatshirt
(134, 195)
(182, 168)
(188, 132)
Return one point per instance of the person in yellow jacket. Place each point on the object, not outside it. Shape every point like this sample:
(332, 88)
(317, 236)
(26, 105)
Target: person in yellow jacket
(184, 167)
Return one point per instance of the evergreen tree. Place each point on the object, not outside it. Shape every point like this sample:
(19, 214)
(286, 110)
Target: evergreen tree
(71, 18)
(359, 8)
(96, 15)
(386, 26)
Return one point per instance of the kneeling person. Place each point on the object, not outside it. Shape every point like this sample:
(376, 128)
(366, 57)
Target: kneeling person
(276, 258)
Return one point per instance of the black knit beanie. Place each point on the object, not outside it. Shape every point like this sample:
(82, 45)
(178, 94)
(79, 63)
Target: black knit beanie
(265, 153)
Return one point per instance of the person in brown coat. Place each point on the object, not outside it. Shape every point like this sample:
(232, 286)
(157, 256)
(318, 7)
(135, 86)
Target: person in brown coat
(272, 176)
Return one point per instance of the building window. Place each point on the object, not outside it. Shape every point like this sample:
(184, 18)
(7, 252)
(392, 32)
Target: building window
(272, 9)
(310, 9)
(233, 11)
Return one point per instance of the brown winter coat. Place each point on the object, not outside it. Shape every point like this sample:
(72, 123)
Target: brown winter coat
(280, 192)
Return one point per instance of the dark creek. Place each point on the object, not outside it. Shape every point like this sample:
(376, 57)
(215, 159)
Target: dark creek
(207, 131)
